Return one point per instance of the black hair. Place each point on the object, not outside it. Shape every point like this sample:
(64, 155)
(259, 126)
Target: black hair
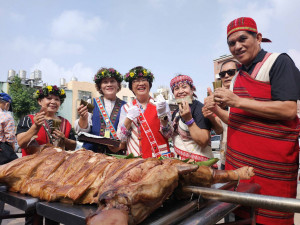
(253, 34)
(98, 82)
(237, 64)
(148, 78)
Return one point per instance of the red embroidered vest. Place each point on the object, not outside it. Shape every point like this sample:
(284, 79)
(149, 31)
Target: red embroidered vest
(270, 146)
(42, 135)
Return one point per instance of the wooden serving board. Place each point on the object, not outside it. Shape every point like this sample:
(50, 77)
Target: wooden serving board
(102, 140)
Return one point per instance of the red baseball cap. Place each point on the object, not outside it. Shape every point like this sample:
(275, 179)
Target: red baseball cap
(243, 23)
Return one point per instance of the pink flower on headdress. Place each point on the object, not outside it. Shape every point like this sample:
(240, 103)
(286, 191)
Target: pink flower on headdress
(140, 74)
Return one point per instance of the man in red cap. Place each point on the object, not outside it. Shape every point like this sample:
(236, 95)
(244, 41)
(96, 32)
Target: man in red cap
(263, 126)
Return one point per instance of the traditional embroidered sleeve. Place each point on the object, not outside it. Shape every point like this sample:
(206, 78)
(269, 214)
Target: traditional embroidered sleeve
(79, 129)
(9, 129)
(122, 132)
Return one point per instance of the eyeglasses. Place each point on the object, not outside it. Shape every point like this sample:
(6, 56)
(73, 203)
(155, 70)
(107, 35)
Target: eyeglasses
(139, 80)
(230, 72)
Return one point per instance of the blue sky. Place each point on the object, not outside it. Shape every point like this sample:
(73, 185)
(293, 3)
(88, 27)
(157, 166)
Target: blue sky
(76, 38)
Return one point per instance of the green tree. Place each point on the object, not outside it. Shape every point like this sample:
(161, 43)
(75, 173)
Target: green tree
(22, 96)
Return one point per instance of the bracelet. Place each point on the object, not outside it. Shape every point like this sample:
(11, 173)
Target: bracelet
(124, 131)
(190, 122)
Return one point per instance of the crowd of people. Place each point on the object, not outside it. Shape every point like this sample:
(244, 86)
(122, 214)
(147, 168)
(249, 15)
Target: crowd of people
(255, 110)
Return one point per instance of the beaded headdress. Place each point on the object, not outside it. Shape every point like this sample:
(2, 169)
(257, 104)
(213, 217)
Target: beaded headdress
(181, 79)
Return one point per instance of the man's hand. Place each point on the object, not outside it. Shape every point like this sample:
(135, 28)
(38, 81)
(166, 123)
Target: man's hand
(209, 102)
(227, 97)
(207, 113)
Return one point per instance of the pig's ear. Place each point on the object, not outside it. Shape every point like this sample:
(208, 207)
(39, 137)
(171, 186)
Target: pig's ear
(186, 168)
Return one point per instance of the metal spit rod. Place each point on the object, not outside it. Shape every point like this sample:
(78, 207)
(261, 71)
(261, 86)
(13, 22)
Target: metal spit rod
(248, 199)
(175, 214)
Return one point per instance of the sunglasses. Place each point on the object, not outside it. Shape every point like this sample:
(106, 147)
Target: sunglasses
(230, 72)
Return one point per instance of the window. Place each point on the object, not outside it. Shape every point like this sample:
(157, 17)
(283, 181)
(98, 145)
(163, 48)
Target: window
(84, 95)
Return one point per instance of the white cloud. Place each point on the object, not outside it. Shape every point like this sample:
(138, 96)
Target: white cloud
(166, 3)
(83, 73)
(260, 13)
(52, 72)
(27, 46)
(30, 46)
(156, 3)
(295, 55)
(16, 17)
(76, 25)
(274, 19)
(267, 14)
(56, 47)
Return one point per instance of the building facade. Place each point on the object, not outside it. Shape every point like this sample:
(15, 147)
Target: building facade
(217, 65)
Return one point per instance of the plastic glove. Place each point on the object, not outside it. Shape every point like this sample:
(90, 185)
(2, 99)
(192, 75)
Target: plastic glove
(162, 106)
(133, 112)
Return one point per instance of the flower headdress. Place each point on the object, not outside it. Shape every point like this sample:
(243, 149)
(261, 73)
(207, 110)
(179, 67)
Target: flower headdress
(138, 72)
(107, 73)
(50, 90)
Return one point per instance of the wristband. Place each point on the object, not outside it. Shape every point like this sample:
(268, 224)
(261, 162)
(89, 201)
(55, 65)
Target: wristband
(190, 122)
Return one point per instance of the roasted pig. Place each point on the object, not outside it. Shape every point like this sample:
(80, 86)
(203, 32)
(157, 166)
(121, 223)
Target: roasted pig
(129, 188)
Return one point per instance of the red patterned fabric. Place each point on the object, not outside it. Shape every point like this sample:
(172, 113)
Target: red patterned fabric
(151, 116)
(188, 155)
(107, 121)
(243, 23)
(42, 138)
(269, 146)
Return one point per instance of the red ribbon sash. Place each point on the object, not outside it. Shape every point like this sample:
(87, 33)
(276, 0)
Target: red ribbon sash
(106, 118)
(148, 132)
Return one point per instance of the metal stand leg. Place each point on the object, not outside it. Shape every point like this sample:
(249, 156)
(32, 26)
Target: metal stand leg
(50, 222)
(32, 218)
(226, 219)
(1, 210)
(252, 216)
